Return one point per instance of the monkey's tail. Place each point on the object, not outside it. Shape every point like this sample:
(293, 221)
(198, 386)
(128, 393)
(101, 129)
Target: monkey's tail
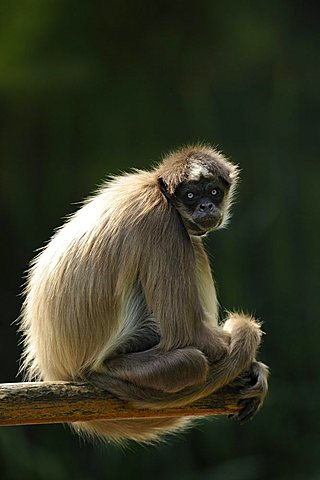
(141, 430)
(245, 332)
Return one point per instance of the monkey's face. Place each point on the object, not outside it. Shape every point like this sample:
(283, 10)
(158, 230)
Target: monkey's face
(201, 204)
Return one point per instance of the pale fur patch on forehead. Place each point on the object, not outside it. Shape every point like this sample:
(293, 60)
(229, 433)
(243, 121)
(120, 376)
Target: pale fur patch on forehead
(197, 171)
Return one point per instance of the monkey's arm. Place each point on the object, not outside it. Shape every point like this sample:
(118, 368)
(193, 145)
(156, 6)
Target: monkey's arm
(178, 288)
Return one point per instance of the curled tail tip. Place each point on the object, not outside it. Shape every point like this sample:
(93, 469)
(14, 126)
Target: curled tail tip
(236, 321)
(246, 333)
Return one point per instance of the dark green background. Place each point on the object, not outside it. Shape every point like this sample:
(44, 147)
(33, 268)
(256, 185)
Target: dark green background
(89, 88)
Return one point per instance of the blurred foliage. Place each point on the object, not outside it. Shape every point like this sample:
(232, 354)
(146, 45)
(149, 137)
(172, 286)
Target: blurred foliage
(89, 88)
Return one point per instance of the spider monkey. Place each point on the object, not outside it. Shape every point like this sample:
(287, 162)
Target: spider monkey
(123, 297)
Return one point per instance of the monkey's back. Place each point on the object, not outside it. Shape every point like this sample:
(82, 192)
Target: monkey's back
(80, 283)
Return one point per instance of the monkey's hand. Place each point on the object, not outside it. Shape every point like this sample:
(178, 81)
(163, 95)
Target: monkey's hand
(253, 387)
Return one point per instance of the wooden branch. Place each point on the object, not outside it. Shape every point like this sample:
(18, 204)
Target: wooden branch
(59, 402)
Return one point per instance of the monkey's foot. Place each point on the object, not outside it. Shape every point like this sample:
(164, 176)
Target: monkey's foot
(253, 387)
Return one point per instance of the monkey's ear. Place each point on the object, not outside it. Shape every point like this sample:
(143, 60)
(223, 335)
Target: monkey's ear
(164, 188)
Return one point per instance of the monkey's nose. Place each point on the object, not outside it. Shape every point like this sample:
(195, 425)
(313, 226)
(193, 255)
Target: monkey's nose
(206, 207)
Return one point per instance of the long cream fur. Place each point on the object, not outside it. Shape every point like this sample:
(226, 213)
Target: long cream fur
(124, 269)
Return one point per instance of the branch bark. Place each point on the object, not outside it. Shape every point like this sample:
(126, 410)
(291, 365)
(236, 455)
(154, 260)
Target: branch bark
(59, 402)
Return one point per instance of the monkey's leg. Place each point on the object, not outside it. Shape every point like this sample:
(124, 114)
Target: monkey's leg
(165, 371)
(253, 386)
(245, 338)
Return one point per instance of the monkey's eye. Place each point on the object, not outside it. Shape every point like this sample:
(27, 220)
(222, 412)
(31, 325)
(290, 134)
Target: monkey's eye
(215, 192)
(190, 195)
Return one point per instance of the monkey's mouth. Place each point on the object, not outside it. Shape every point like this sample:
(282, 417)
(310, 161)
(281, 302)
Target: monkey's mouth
(208, 222)
(201, 224)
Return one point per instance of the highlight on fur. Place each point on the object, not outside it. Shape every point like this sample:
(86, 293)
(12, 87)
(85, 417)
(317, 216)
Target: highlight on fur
(122, 296)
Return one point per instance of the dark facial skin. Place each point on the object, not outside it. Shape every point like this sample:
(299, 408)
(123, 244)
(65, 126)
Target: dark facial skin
(199, 203)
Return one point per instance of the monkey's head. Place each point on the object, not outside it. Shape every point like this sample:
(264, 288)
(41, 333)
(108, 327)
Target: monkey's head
(199, 182)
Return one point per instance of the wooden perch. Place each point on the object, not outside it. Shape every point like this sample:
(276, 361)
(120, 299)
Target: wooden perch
(59, 402)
